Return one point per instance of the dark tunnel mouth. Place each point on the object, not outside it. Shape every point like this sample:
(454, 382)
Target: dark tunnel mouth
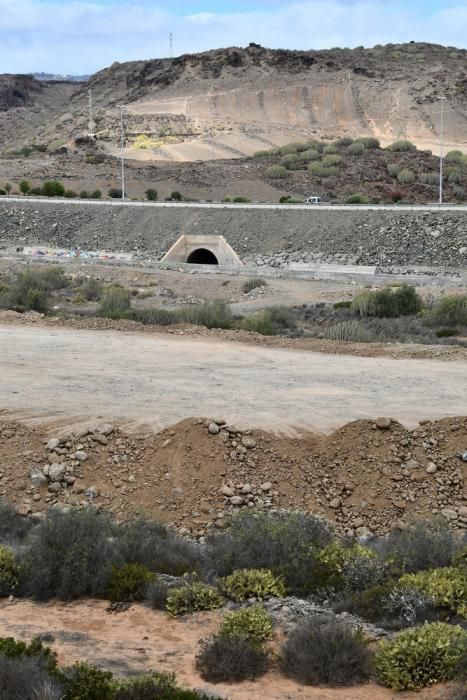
(202, 256)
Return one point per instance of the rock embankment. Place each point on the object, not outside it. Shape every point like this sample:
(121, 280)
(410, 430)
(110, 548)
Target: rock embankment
(354, 235)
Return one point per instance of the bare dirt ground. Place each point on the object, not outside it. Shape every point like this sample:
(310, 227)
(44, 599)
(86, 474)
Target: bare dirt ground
(141, 639)
(157, 379)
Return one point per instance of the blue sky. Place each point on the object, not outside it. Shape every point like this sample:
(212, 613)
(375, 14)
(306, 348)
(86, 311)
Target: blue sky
(82, 36)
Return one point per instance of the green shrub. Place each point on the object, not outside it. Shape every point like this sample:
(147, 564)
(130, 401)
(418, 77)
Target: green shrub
(451, 310)
(351, 566)
(331, 159)
(344, 142)
(156, 593)
(128, 582)
(309, 155)
(387, 303)
(288, 148)
(455, 157)
(319, 170)
(447, 587)
(24, 186)
(52, 188)
(252, 583)
(96, 194)
(9, 571)
(393, 169)
(253, 283)
(357, 199)
(368, 141)
(209, 314)
(419, 657)
(13, 527)
(276, 172)
(429, 178)
(356, 149)
(70, 194)
(447, 332)
(2, 191)
(454, 177)
(406, 177)
(348, 331)
(151, 194)
(285, 543)
(261, 154)
(115, 301)
(86, 682)
(402, 146)
(225, 659)
(258, 322)
(290, 160)
(25, 678)
(15, 649)
(458, 192)
(253, 623)
(115, 193)
(241, 200)
(192, 597)
(91, 289)
(325, 653)
(84, 194)
(176, 196)
(153, 686)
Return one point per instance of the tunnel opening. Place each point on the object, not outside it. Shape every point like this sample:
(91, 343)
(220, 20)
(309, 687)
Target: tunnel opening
(202, 256)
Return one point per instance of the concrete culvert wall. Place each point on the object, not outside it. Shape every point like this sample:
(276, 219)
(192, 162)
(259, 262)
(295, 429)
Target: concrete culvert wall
(202, 256)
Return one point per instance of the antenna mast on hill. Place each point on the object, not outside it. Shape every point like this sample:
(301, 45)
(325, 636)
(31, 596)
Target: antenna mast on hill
(91, 122)
(122, 152)
(171, 45)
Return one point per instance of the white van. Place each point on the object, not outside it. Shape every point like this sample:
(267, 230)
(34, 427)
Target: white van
(313, 200)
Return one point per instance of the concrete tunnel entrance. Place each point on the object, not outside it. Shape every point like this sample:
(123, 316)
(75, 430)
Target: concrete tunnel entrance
(202, 256)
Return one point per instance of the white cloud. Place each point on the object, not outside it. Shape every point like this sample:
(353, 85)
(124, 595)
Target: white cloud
(74, 36)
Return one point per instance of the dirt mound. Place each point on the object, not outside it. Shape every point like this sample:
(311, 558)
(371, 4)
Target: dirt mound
(192, 475)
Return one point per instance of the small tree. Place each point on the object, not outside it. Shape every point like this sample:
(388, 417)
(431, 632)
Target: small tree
(52, 188)
(115, 193)
(24, 186)
(151, 195)
(176, 196)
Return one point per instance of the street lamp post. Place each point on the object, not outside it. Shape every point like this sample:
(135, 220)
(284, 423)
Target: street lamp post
(442, 100)
(122, 152)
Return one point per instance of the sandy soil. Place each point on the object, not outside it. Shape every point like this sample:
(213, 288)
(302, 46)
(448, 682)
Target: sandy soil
(159, 379)
(140, 639)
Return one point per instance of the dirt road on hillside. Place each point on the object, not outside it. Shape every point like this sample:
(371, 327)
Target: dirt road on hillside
(137, 379)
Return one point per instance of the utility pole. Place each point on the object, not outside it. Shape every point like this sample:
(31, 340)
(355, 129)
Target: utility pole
(122, 152)
(91, 122)
(442, 100)
(171, 45)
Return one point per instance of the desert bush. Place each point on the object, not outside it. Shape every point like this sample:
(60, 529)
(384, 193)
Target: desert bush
(91, 289)
(52, 188)
(2, 191)
(158, 548)
(289, 160)
(226, 659)
(96, 194)
(450, 310)
(151, 194)
(192, 597)
(447, 332)
(429, 178)
(447, 587)
(319, 170)
(407, 603)
(402, 146)
(406, 177)
(330, 149)
(24, 186)
(368, 141)
(288, 148)
(156, 594)
(351, 565)
(115, 301)
(31, 288)
(357, 199)
(419, 657)
(393, 169)
(9, 571)
(25, 678)
(15, 649)
(344, 142)
(258, 322)
(331, 159)
(290, 200)
(454, 157)
(84, 194)
(252, 583)
(13, 527)
(421, 545)
(128, 582)
(454, 177)
(253, 623)
(240, 199)
(276, 172)
(458, 192)
(70, 194)
(153, 686)
(310, 154)
(387, 303)
(209, 314)
(356, 149)
(83, 681)
(261, 154)
(176, 196)
(285, 543)
(368, 604)
(253, 283)
(318, 652)
(69, 555)
(115, 193)
(348, 331)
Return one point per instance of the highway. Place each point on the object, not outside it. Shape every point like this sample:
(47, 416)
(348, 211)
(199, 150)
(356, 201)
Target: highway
(57, 201)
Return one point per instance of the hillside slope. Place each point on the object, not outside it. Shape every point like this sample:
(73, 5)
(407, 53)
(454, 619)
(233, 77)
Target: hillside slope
(232, 102)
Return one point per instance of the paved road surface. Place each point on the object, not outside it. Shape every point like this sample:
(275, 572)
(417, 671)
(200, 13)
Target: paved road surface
(221, 205)
(158, 379)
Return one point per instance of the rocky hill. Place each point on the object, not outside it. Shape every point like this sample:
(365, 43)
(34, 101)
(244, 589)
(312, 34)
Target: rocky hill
(232, 102)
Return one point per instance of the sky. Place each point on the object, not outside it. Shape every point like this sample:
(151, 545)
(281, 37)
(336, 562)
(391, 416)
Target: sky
(83, 36)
